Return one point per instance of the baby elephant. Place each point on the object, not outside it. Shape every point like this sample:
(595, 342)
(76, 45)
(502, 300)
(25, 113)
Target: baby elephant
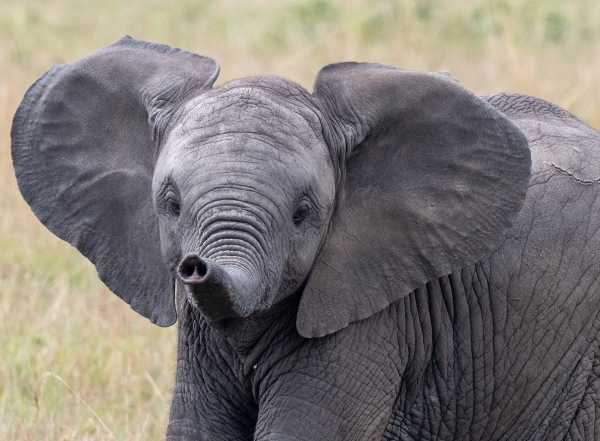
(389, 257)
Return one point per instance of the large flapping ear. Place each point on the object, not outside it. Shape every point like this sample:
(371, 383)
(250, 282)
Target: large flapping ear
(431, 177)
(84, 154)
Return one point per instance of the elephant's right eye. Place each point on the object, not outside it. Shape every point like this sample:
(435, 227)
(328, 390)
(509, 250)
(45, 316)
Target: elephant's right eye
(168, 201)
(173, 207)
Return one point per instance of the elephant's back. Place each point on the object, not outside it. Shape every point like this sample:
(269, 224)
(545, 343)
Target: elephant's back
(557, 228)
(545, 277)
(552, 252)
(559, 141)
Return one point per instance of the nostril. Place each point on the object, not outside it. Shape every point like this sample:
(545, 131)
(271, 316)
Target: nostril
(192, 269)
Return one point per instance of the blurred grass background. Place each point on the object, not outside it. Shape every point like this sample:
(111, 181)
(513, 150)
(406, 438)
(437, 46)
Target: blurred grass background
(55, 315)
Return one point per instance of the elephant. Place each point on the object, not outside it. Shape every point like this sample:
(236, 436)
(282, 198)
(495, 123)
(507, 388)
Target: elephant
(388, 257)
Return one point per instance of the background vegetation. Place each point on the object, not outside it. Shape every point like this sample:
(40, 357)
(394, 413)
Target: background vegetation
(55, 316)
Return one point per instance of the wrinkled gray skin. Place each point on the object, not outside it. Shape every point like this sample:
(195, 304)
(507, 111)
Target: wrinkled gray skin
(388, 257)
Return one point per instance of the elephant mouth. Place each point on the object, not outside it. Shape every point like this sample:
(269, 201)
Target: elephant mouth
(216, 291)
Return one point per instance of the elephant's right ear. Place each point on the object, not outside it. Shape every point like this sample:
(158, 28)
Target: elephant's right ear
(84, 151)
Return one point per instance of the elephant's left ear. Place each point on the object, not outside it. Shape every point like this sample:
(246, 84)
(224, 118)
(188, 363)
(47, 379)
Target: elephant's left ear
(431, 177)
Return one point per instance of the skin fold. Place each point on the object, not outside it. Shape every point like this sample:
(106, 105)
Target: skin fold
(387, 257)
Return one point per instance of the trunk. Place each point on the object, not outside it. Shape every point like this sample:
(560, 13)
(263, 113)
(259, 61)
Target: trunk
(217, 291)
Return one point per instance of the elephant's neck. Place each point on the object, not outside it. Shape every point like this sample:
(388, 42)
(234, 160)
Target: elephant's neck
(250, 334)
(246, 339)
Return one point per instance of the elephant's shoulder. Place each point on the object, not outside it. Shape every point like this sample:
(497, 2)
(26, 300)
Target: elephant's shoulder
(560, 142)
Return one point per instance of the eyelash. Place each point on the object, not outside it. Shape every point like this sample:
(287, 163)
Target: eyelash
(173, 207)
(170, 203)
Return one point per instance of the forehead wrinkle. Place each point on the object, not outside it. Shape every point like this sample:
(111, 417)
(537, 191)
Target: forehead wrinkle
(253, 153)
(248, 147)
(285, 92)
(222, 167)
(248, 110)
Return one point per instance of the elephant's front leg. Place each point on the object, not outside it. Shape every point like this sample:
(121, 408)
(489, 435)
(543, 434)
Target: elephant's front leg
(340, 387)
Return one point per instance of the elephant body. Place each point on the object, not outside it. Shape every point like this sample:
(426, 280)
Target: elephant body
(387, 257)
(505, 349)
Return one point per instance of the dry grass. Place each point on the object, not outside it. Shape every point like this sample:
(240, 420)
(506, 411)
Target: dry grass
(111, 370)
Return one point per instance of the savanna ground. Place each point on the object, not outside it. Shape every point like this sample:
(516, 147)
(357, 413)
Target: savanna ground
(75, 361)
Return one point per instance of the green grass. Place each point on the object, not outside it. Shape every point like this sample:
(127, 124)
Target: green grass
(55, 315)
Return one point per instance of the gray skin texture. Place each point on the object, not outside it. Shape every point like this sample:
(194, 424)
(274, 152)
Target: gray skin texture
(389, 257)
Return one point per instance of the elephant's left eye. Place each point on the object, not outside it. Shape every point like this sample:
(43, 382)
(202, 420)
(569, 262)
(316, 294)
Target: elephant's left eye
(300, 215)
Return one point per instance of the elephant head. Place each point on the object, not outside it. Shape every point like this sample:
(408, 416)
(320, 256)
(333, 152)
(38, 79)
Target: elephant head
(379, 181)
